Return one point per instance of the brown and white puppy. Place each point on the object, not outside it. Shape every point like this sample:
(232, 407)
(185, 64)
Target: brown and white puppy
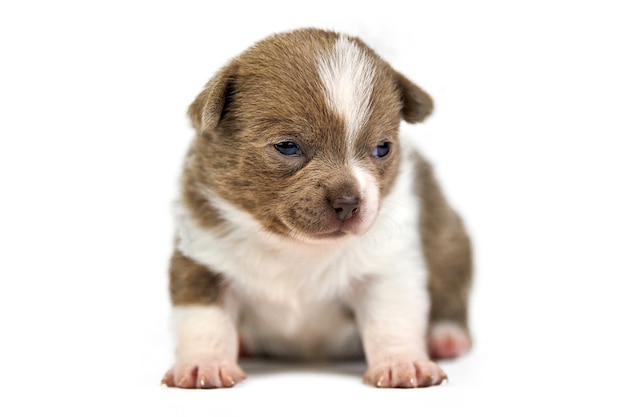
(307, 227)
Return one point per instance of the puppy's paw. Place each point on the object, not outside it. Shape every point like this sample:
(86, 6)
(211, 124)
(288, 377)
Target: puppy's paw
(400, 373)
(448, 340)
(203, 374)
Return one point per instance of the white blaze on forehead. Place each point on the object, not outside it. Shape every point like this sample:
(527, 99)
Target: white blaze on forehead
(347, 74)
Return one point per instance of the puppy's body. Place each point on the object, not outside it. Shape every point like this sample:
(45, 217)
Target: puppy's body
(307, 227)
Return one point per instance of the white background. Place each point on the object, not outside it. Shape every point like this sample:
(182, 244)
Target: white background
(528, 139)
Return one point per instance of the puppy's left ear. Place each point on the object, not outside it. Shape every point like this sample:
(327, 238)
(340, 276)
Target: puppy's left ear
(417, 105)
(208, 109)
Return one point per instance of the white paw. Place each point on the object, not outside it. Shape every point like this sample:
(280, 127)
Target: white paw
(448, 340)
(203, 374)
(404, 373)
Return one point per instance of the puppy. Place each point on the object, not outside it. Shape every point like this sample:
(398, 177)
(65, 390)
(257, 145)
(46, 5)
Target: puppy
(307, 228)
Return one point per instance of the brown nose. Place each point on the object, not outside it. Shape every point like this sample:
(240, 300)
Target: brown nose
(345, 207)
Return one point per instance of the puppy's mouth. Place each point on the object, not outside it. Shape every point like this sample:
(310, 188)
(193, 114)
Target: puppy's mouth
(353, 227)
(337, 234)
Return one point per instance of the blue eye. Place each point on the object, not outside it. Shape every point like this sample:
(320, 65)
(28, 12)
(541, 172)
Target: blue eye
(288, 149)
(381, 150)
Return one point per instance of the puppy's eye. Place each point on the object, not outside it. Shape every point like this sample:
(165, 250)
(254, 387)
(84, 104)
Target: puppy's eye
(288, 149)
(381, 150)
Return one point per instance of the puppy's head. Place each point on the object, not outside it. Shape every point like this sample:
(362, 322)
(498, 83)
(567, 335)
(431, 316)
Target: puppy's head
(301, 132)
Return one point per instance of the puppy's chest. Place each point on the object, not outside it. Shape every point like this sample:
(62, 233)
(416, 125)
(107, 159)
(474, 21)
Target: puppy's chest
(289, 274)
(290, 301)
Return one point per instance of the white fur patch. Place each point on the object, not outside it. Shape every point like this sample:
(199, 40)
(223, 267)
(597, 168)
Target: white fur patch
(347, 76)
(204, 331)
(368, 187)
(285, 271)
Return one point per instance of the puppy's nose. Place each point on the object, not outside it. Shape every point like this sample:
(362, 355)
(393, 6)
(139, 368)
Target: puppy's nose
(345, 207)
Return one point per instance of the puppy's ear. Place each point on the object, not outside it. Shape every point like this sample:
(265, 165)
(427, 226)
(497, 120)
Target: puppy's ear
(208, 108)
(416, 103)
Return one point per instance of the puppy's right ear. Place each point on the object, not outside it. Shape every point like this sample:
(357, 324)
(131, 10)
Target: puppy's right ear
(208, 108)
(417, 105)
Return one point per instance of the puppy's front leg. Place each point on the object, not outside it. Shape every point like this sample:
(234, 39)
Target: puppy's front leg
(207, 343)
(392, 314)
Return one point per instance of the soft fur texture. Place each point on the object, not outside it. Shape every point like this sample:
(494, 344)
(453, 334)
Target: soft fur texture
(307, 227)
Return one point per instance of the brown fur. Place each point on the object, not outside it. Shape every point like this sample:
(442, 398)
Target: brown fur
(192, 283)
(447, 249)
